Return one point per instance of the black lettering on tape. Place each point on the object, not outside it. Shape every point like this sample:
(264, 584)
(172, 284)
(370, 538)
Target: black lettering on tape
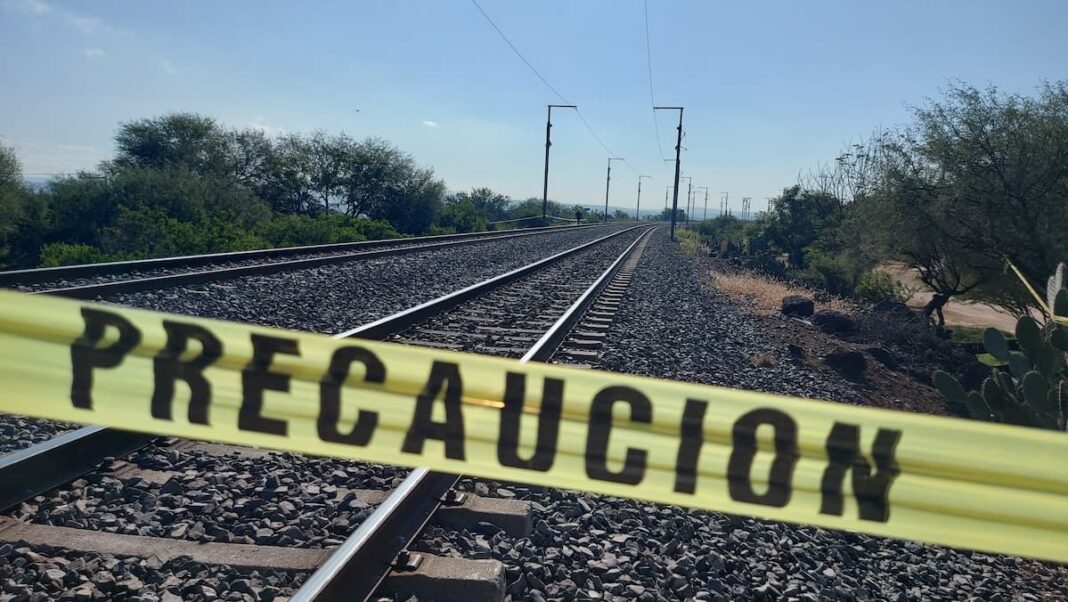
(872, 491)
(600, 426)
(167, 368)
(85, 356)
(423, 427)
(257, 378)
(552, 399)
(691, 438)
(330, 396)
(744, 450)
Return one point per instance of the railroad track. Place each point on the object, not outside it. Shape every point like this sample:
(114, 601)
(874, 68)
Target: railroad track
(531, 312)
(91, 280)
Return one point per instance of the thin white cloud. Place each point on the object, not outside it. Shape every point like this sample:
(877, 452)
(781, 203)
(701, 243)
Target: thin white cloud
(39, 8)
(257, 124)
(430, 124)
(167, 67)
(87, 24)
(94, 53)
(28, 7)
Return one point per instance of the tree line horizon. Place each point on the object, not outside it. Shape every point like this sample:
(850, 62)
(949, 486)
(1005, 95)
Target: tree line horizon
(977, 177)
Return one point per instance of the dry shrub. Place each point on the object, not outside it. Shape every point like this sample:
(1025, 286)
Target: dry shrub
(765, 294)
(763, 360)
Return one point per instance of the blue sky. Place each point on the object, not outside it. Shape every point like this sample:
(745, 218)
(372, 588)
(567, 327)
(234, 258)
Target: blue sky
(770, 88)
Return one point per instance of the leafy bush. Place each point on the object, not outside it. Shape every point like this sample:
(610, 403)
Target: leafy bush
(297, 230)
(151, 232)
(838, 272)
(462, 215)
(875, 286)
(61, 253)
(766, 264)
(689, 241)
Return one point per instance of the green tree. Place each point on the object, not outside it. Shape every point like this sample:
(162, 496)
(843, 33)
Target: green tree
(412, 202)
(490, 204)
(981, 176)
(188, 140)
(665, 215)
(461, 214)
(12, 193)
(797, 218)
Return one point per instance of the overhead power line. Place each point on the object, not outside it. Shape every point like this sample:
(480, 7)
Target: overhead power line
(649, 68)
(517, 53)
(546, 82)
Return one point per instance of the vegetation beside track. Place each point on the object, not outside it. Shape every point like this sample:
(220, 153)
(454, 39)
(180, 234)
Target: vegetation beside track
(977, 177)
(183, 184)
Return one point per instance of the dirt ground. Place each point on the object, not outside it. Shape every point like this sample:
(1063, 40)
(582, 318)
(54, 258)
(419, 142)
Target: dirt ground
(958, 313)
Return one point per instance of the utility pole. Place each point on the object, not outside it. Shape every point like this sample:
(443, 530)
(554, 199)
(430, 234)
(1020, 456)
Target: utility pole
(667, 189)
(689, 182)
(607, 184)
(705, 215)
(678, 166)
(723, 201)
(689, 200)
(548, 143)
(638, 209)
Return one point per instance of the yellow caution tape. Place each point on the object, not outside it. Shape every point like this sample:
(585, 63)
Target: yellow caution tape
(947, 481)
(1046, 309)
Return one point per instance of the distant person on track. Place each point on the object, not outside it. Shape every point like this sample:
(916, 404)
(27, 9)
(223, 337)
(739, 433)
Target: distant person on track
(578, 217)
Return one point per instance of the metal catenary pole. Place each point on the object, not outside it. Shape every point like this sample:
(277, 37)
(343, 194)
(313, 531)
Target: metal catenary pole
(678, 166)
(638, 208)
(548, 143)
(607, 185)
(705, 216)
(689, 200)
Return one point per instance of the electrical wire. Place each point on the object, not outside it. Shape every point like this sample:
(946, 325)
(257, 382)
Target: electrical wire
(649, 68)
(519, 54)
(547, 84)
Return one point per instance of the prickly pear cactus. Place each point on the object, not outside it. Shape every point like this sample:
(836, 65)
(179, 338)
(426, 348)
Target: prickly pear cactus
(1033, 391)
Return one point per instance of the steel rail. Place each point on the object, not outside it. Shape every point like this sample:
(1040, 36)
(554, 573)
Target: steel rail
(28, 472)
(87, 270)
(358, 567)
(89, 291)
(397, 322)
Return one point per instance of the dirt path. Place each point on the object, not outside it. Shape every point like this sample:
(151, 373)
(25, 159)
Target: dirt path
(958, 313)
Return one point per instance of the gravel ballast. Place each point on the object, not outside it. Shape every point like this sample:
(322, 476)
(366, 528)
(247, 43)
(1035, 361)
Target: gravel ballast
(18, 432)
(43, 574)
(273, 499)
(223, 262)
(334, 298)
(602, 548)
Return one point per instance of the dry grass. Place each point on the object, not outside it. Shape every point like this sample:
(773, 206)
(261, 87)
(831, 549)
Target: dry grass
(765, 294)
(763, 360)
